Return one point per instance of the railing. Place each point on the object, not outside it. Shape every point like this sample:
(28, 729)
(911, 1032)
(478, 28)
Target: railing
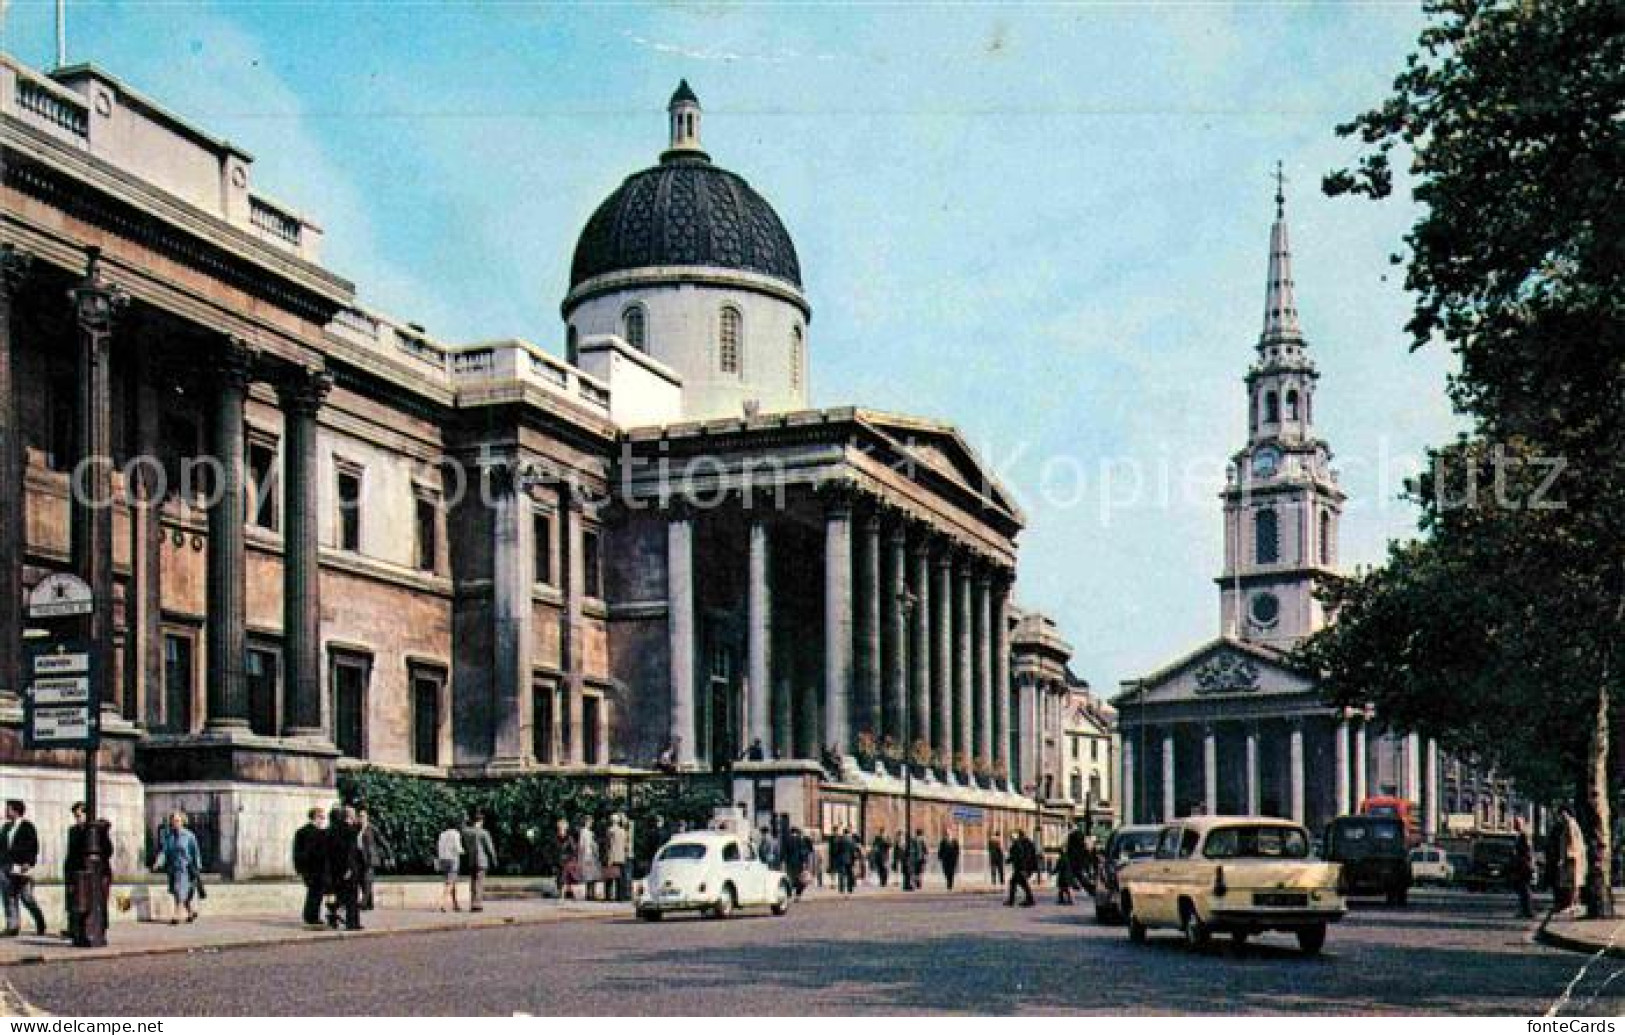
(594, 395)
(273, 221)
(421, 350)
(358, 323)
(548, 371)
(472, 361)
(38, 100)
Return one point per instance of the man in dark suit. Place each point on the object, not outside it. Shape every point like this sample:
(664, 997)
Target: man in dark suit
(948, 857)
(375, 849)
(995, 861)
(19, 854)
(310, 862)
(1023, 864)
(841, 859)
(480, 854)
(344, 865)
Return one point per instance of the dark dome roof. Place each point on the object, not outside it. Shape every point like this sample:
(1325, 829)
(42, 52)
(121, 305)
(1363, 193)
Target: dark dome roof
(685, 212)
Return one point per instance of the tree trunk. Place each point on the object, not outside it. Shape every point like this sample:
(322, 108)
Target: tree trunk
(1599, 875)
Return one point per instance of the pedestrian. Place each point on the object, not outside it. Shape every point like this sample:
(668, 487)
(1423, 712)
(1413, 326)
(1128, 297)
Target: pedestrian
(918, 853)
(19, 854)
(481, 855)
(375, 852)
(842, 852)
(564, 843)
(797, 860)
(448, 857)
(756, 752)
(617, 858)
(1063, 879)
(1075, 850)
(1023, 861)
(880, 856)
(1571, 862)
(73, 860)
(345, 862)
(310, 862)
(995, 861)
(1523, 868)
(771, 851)
(588, 857)
(180, 859)
(948, 857)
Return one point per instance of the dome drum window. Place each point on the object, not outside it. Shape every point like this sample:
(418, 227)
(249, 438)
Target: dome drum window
(634, 324)
(730, 340)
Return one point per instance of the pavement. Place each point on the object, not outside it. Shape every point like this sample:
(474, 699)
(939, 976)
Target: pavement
(1577, 934)
(1449, 953)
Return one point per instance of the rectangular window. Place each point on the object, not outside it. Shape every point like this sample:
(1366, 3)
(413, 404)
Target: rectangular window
(428, 523)
(1094, 751)
(542, 696)
(565, 729)
(426, 687)
(591, 565)
(590, 710)
(177, 716)
(262, 665)
(541, 526)
(349, 705)
(262, 485)
(349, 500)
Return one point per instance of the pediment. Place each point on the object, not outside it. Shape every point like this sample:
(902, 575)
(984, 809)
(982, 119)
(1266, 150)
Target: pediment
(940, 448)
(1219, 670)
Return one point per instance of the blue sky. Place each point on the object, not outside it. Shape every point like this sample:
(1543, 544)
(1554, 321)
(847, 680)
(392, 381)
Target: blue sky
(1045, 223)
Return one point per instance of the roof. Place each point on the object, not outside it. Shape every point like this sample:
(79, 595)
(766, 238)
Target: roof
(1202, 824)
(683, 93)
(703, 837)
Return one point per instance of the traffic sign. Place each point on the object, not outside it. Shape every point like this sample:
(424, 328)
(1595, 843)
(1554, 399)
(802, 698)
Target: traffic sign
(61, 595)
(61, 708)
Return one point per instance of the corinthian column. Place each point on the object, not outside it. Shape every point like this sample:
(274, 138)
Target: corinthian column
(1001, 674)
(868, 609)
(942, 656)
(680, 631)
(301, 395)
(983, 639)
(964, 682)
(14, 267)
(891, 605)
(228, 630)
(920, 717)
(837, 621)
(758, 632)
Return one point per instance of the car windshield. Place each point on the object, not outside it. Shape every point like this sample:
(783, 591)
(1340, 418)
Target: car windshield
(682, 853)
(1260, 842)
(1382, 810)
(1132, 844)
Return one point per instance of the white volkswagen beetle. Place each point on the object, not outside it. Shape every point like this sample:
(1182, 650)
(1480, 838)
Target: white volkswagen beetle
(713, 872)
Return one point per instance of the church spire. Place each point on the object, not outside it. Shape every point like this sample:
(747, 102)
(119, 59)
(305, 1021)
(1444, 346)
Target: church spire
(1280, 306)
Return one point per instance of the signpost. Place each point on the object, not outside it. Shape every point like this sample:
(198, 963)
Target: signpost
(62, 711)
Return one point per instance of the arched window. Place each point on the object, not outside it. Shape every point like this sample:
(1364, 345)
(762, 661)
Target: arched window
(1326, 538)
(798, 348)
(1266, 537)
(1292, 405)
(729, 340)
(1272, 408)
(633, 326)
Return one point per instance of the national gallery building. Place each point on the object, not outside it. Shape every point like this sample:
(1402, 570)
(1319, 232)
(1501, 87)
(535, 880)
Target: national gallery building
(332, 539)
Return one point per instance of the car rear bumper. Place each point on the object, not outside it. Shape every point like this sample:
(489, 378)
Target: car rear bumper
(1272, 919)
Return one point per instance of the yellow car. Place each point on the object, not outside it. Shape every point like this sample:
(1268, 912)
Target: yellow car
(1240, 875)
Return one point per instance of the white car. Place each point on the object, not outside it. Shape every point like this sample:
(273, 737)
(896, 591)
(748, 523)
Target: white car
(1430, 865)
(711, 872)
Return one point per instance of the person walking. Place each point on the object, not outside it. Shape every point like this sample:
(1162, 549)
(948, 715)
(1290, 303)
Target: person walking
(181, 860)
(19, 854)
(376, 853)
(948, 857)
(1523, 868)
(995, 862)
(880, 857)
(1023, 861)
(796, 860)
(345, 862)
(1571, 862)
(918, 855)
(448, 858)
(618, 858)
(481, 855)
(564, 846)
(310, 862)
(843, 854)
(588, 858)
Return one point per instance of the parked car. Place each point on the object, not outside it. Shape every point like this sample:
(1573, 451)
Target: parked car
(1125, 845)
(1430, 865)
(1460, 864)
(1490, 866)
(1372, 852)
(712, 872)
(1241, 875)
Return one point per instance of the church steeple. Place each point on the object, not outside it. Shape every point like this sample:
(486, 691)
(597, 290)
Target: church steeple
(1280, 304)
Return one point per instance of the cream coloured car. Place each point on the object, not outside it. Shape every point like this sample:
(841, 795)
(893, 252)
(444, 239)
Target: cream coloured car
(713, 872)
(1240, 875)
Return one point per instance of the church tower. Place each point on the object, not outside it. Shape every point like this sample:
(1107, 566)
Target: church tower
(1282, 505)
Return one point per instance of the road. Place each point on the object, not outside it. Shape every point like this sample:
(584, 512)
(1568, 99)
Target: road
(1449, 953)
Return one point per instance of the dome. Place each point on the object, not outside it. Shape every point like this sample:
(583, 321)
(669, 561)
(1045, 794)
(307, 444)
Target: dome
(685, 212)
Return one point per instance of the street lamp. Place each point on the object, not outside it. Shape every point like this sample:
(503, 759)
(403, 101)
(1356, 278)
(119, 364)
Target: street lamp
(905, 602)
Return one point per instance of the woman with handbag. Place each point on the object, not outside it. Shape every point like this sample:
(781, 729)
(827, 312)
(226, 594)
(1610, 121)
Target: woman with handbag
(180, 859)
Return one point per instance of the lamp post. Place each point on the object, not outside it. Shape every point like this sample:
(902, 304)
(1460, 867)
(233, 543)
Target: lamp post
(905, 602)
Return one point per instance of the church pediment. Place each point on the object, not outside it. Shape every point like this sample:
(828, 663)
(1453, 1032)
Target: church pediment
(1221, 669)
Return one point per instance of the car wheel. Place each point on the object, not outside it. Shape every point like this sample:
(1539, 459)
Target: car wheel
(650, 915)
(1312, 939)
(781, 899)
(1239, 938)
(1197, 934)
(1102, 916)
(726, 902)
(1136, 930)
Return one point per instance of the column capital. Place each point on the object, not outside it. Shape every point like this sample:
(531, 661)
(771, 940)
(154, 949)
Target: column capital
(838, 495)
(16, 265)
(235, 362)
(97, 301)
(302, 390)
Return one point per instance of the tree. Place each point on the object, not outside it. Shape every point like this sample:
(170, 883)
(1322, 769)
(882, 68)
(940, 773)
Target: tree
(1513, 114)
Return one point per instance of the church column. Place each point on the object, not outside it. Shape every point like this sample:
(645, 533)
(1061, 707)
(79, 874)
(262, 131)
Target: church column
(1169, 800)
(680, 631)
(983, 620)
(301, 395)
(1296, 750)
(1412, 786)
(143, 653)
(758, 631)
(1340, 765)
(921, 716)
(869, 609)
(942, 654)
(1430, 791)
(511, 568)
(837, 621)
(895, 676)
(14, 267)
(1125, 793)
(1210, 769)
(1001, 674)
(1253, 790)
(1360, 757)
(964, 744)
(227, 633)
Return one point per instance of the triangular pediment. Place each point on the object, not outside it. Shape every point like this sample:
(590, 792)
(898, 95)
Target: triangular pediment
(1221, 669)
(940, 448)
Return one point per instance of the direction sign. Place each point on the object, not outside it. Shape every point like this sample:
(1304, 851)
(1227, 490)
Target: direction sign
(60, 704)
(61, 595)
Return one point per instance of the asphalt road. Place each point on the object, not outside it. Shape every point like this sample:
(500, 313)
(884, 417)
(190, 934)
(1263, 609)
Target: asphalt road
(1448, 953)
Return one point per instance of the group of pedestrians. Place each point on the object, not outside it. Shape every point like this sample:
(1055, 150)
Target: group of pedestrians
(1076, 866)
(19, 858)
(338, 854)
(597, 859)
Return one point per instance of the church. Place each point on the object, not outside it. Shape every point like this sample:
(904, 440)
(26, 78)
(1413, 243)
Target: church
(333, 539)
